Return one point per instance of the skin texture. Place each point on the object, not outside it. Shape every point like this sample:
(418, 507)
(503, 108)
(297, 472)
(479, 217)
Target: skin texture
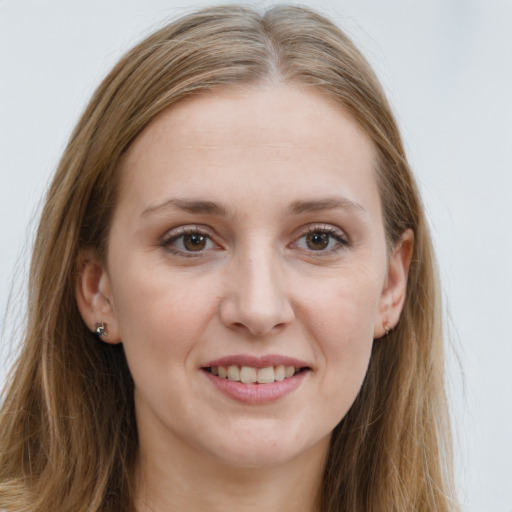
(254, 171)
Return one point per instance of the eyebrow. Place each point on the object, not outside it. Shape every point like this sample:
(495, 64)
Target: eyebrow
(202, 206)
(189, 205)
(327, 203)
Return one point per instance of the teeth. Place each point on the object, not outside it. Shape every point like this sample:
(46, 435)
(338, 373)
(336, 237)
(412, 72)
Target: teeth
(279, 373)
(266, 375)
(233, 373)
(289, 371)
(247, 374)
(250, 375)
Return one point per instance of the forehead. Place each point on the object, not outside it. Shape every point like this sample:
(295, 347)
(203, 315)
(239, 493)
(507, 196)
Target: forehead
(278, 112)
(280, 136)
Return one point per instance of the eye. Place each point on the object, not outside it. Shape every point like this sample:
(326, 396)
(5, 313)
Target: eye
(322, 239)
(194, 241)
(318, 241)
(188, 242)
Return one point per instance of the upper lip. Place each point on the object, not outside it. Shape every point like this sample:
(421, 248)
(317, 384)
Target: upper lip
(257, 361)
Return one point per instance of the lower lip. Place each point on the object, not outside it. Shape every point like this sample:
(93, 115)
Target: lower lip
(256, 394)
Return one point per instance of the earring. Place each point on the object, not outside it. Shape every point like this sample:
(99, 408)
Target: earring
(386, 328)
(101, 329)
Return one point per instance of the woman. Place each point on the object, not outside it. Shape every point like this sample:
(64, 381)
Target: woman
(233, 297)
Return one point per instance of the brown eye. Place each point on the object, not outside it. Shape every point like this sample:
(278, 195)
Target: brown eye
(317, 241)
(194, 242)
(189, 243)
(325, 240)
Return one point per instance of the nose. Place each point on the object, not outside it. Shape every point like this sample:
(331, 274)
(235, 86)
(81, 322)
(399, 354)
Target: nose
(257, 297)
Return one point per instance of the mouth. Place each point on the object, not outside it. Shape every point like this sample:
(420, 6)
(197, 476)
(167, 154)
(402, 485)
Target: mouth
(255, 375)
(257, 380)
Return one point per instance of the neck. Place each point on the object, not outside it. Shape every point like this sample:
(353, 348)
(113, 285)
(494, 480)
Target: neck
(174, 483)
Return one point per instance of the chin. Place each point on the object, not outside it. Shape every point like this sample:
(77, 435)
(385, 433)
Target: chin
(262, 458)
(265, 450)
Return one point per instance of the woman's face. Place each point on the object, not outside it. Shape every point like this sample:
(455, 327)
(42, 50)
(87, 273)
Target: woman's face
(248, 240)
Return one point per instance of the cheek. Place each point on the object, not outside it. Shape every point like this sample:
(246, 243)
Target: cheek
(345, 307)
(342, 319)
(161, 316)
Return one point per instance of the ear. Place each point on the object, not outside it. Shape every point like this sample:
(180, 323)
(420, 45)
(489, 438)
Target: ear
(94, 296)
(393, 295)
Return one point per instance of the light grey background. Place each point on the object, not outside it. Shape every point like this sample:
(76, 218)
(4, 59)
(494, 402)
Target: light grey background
(447, 67)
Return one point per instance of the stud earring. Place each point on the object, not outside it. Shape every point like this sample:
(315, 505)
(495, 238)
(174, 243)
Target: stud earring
(386, 328)
(101, 329)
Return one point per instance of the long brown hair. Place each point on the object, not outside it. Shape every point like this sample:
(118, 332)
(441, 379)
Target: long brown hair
(68, 437)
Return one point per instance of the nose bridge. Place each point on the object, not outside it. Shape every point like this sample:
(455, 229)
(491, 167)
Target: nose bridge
(258, 297)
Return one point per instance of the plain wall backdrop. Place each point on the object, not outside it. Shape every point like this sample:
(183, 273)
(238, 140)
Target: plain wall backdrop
(447, 68)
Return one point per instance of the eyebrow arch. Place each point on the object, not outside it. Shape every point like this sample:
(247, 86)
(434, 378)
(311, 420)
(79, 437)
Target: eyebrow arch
(189, 205)
(203, 206)
(327, 203)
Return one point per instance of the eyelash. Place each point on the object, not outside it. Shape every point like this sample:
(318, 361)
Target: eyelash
(175, 235)
(329, 231)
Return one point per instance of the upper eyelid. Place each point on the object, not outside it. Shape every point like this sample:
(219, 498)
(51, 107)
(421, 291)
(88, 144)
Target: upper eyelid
(187, 229)
(320, 226)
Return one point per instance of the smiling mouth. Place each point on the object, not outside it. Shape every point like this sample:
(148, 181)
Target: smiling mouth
(252, 375)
